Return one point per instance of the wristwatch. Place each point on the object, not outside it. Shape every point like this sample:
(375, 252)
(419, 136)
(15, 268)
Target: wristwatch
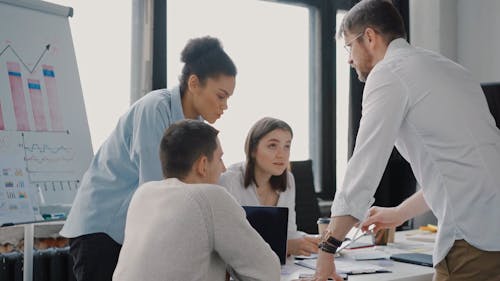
(327, 248)
(328, 238)
(333, 241)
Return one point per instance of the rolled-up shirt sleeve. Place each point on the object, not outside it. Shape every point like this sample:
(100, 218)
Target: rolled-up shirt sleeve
(384, 107)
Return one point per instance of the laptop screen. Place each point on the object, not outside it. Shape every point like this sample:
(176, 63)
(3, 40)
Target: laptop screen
(272, 224)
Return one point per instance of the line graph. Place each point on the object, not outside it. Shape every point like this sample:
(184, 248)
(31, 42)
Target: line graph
(48, 155)
(48, 160)
(42, 148)
(38, 167)
(30, 70)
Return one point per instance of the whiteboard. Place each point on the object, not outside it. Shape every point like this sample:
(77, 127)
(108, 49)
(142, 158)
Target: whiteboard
(45, 144)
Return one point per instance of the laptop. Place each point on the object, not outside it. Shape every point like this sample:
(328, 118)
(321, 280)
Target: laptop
(272, 224)
(414, 258)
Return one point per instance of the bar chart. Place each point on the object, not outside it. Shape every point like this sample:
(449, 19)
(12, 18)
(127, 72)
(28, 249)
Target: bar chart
(42, 157)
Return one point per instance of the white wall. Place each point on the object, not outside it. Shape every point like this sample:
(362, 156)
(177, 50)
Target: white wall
(478, 38)
(462, 30)
(433, 26)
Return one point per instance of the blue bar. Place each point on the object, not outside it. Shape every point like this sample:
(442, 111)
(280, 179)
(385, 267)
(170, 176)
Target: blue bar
(34, 86)
(13, 73)
(48, 73)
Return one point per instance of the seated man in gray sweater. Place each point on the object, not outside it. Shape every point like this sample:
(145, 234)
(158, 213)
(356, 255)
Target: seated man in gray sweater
(186, 227)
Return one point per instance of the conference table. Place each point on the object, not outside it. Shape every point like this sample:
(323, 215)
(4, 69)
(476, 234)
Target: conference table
(412, 241)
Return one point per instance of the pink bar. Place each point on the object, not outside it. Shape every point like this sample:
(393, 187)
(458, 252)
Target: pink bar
(53, 99)
(17, 92)
(37, 104)
(2, 125)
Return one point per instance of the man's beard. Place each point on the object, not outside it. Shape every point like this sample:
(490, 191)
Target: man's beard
(362, 76)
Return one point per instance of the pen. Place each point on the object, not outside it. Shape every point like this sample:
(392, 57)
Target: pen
(354, 239)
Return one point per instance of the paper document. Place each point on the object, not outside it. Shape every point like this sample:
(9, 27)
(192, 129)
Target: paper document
(347, 266)
(370, 255)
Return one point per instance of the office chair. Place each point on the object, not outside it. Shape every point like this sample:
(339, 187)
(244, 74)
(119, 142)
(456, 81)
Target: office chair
(492, 93)
(306, 203)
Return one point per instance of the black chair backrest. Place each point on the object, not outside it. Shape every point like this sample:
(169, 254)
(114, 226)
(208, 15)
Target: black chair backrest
(306, 202)
(492, 93)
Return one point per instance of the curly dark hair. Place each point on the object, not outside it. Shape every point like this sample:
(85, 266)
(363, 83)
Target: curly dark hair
(204, 57)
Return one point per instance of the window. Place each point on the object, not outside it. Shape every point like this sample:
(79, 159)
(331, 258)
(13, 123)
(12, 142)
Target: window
(269, 44)
(342, 105)
(102, 48)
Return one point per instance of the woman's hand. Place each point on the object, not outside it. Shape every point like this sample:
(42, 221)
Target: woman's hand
(303, 246)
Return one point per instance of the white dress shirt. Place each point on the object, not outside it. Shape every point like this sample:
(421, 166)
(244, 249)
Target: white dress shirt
(177, 231)
(437, 116)
(233, 181)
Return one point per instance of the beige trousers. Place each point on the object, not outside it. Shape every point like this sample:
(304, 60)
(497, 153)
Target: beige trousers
(465, 262)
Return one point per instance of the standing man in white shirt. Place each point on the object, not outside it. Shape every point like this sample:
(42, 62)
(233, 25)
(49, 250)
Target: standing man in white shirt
(186, 227)
(437, 116)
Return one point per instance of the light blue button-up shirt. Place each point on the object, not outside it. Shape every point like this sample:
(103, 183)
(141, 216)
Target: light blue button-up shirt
(127, 159)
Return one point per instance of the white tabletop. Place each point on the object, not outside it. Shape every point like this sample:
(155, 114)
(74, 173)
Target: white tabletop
(400, 271)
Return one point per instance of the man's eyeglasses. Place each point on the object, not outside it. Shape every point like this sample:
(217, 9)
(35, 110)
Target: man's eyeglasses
(348, 45)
